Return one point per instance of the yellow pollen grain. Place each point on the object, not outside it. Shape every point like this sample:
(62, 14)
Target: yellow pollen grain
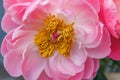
(47, 43)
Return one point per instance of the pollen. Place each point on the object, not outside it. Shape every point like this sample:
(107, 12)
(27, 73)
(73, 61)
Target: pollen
(55, 36)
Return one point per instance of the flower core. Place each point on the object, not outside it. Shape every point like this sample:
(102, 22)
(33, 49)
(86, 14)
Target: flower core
(55, 36)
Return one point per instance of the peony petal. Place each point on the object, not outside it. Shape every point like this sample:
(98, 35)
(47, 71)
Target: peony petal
(17, 11)
(78, 55)
(33, 6)
(97, 40)
(64, 66)
(8, 24)
(8, 3)
(115, 48)
(78, 76)
(103, 50)
(33, 63)
(12, 62)
(17, 39)
(110, 15)
(89, 69)
(88, 23)
(43, 76)
(96, 66)
(4, 49)
(95, 4)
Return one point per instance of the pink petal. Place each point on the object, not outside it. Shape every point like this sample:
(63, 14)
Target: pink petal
(17, 38)
(86, 20)
(103, 50)
(110, 15)
(95, 4)
(89, 68)
(4, 49)
(33, 6)
(78, 76)
(8, 3)
(43, 76)
(78, 55)
(8, 24)
(115, 49)
(33, 63)
(96, 66)
(17, 11)
(12, 62)
(97, 40)
(64, 66)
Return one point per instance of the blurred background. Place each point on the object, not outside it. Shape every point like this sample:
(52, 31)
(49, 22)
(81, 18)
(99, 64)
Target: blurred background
(107, 66)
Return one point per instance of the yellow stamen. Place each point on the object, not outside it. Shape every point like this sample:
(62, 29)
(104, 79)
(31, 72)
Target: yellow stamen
(56, 35)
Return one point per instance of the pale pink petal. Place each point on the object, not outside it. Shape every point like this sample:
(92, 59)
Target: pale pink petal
(8, 24)
(4, 49)
(89, 69)
(103, 50)
(78, 55)
(17, 39)
(115, 49)
(33, 63)
(95, 4)
(33, 6)
(98, 39)
(64, 66)
(17, 11)
(12, 62)
(89, 23)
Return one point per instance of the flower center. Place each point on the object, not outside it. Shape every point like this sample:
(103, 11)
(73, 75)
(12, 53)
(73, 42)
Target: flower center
(55, 35)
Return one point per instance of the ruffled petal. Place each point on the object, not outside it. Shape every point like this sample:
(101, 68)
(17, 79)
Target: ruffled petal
(97, 40)
(110, 15)
(78, 55)
(12, 62)
(8, 24)
(88, 23)
(103, 50)
(33, 63)
(17, 38)
(89, 69)
(33, 6)
(64, 66)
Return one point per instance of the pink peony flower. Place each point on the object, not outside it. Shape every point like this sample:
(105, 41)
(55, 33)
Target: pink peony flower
(53, 39)
(110, 16)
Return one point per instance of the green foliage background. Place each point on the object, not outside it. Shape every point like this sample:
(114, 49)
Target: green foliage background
(106, 66)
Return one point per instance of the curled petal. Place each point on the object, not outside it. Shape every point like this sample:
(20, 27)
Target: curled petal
(8, 24)
(78, 55)
(12, 62)
(33, 63)
(103, 49)
(64, 67)
(89, 68)
(17, 38)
